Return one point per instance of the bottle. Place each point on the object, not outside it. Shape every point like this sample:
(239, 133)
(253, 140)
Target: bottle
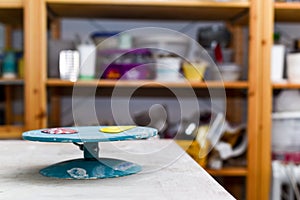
(69, 65)
(9, 65)
(278, 52)
(87, 52)
(292, 61)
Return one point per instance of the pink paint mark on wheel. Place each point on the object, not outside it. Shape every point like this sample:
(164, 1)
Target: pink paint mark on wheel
(59, 131)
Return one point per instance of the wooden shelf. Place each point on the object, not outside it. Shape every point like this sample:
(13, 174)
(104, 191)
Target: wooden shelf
(11, 132)
(146, 84)
(11, 12)
(11, 4)
(11, 81)
(146, 9)
(286, 85)
(39, 16)
(232, 171)
(287, 12)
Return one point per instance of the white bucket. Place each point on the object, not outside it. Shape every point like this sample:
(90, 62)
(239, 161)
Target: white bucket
(285, 131)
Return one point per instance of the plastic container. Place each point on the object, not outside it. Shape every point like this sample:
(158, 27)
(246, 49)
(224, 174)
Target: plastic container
(163, 43)
(293, 67)
(287, 101)
(69, 65)
(54, 48)
(168, 69)
(103, 41)
(228, 72)
(87, 54)
(99, 37)
(286, 132)
(194, 71)
(277, 62)
(135, 64)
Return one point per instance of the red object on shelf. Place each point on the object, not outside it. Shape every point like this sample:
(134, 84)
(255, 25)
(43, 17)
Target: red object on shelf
(287, 157)
(218, 54)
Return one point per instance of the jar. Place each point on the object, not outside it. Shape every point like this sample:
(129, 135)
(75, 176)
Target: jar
(9, 65)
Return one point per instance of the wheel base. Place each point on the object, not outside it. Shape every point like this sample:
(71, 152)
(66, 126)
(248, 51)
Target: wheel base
(91, 169)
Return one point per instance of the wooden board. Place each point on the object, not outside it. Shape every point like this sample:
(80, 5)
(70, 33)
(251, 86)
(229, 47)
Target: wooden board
(11, 132)
(168, 10)
(12, 16)
(287, 12)
(254, 97)
(147, 83)
(35, 64)
(232, 171)
(266, 101)
(11, 12)
(287, 85)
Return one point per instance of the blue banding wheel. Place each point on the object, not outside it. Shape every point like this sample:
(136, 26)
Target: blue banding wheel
(90, 134)
(91, 166)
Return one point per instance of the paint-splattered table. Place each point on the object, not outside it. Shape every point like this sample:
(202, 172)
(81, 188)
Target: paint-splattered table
(168, 173)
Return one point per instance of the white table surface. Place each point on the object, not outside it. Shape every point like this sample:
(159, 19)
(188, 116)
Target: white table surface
(168, 173)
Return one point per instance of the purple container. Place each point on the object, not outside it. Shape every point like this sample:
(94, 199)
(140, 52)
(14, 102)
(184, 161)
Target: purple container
(133, 64)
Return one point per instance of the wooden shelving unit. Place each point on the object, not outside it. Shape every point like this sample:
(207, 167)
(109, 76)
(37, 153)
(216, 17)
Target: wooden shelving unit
(236, 14)
(283, 12)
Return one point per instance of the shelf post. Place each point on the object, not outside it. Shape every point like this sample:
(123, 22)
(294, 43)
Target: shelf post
(254, 96)
(265, 159)
(35, 26)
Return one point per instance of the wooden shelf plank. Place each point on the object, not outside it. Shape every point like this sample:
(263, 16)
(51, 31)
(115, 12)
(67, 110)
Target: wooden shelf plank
(146, 9)
(11, 132)
(153, 2)
(287, 5)
(11, 4)
(232, 171)
(11, 81)
(286, 85)
(147, 84)
(287, 12)
(11, 12)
